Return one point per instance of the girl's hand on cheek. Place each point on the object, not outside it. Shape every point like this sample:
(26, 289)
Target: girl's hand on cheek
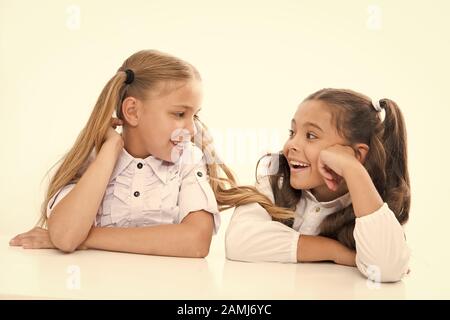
(332, 163)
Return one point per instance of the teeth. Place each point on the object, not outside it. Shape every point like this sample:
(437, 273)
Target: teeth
(298, 164)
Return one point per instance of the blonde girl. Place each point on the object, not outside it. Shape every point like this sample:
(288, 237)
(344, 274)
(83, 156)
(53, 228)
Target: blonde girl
(151, 189)
(339, 191)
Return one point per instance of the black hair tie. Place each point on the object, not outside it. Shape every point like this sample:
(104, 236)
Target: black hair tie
(130, 76)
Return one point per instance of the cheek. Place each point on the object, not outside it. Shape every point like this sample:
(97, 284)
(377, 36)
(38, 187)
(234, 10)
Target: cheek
(165, 129)
(312, 154)
(156, 135)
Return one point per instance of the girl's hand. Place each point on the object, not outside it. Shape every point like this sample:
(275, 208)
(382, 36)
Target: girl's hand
(112, 134)
(332, 163)
(36, 238)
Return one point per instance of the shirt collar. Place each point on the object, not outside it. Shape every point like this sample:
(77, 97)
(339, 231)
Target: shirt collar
(159, 167)
(336, 204)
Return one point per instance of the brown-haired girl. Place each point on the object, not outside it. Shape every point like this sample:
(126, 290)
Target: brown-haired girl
(339, 191)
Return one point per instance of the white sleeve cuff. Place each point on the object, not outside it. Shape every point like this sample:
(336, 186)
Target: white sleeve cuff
(382, 253)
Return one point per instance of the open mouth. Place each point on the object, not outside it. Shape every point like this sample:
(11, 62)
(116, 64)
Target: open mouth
(298, 166)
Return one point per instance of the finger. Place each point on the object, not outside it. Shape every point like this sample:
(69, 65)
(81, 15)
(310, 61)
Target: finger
(26, 244)
(327, 174)
(15, 242)
(23, 235)
(26, 239)
(28, 233)
(329, 183)
(332, 184)
(116, 122)
(323, 171)
(33, 245)
(336, 177)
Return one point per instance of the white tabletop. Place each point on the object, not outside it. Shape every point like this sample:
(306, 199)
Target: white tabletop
(92, 274)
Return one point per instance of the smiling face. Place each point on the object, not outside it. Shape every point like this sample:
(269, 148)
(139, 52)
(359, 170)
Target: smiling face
(312, 130)
(163, 120)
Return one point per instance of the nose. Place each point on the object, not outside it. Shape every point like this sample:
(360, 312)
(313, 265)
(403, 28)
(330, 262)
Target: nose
(293, 145)
(191, 128)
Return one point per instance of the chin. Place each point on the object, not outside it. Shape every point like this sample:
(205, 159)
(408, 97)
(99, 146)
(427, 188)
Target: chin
(297, 184)
(173, 156)
(302, 185)
(160, 156)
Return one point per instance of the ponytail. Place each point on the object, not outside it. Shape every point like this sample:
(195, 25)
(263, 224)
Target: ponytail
(92, 136)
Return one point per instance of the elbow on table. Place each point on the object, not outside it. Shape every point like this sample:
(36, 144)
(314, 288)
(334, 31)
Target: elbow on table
(234, 248)
(388, 271)
(201, 243)
(63, 244)
(62, 239)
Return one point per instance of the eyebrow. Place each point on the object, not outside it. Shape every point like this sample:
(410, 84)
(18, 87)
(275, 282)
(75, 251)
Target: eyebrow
(185, 106)
(312, 124)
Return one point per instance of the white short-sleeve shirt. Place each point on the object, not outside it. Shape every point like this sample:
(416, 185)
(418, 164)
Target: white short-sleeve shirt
(150, 191)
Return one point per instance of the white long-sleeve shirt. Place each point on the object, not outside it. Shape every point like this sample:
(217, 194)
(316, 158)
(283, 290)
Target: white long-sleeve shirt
(382, 253)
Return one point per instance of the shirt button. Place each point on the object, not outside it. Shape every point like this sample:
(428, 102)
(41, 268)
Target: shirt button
(200, 174)
(317, 209)
(140, 165)
(136, 193)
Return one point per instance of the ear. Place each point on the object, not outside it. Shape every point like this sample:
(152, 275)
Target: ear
(131, 111)
(361, 151)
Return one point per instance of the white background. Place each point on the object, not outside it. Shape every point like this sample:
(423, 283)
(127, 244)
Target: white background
(258, 60)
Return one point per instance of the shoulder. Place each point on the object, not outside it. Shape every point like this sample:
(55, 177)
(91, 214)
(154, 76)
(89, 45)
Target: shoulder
(191, 159)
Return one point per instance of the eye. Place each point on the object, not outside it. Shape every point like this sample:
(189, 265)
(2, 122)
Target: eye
(310, 136)
(179, 114)
(291, 133)
(196, 116)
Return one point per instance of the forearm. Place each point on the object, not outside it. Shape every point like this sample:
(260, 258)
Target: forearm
(176, 240)
(365, 197)
(72, 217)
(318, 248)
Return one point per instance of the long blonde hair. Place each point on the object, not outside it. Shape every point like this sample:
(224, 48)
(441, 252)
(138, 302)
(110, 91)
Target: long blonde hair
(149, 67)
(228, 193)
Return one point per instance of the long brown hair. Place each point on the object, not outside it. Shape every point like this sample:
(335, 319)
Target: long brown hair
(357, 121)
